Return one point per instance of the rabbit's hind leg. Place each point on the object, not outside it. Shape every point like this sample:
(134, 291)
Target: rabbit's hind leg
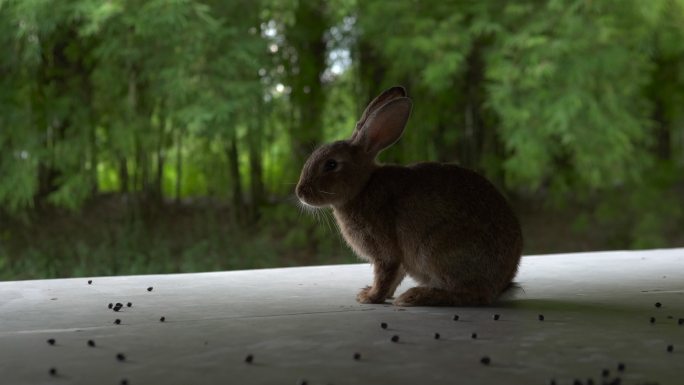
(431, 296)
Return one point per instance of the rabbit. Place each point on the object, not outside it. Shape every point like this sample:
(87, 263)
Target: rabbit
(446, 226)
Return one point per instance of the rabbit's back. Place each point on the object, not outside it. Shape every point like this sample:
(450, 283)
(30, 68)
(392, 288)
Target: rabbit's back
(427, 192)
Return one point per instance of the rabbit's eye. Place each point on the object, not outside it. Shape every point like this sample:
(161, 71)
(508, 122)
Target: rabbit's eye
(330, 165)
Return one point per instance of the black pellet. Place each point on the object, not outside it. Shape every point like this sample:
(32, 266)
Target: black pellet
(129, 304)
(605, 372)
(124, 382)
(553, 382)
(437, 336)
(91, 343)
(303, 382)
(249, 358)
(111, 305)
(162, 319)
(485, 360)
(117, 321)
(395, 338)
(53, 371)
(117, 308)
(658, 304)
(590, 381)
(149, 288)
(652, 320)
(455, 317)
(357, 356)
(621, 367)
(670, 348)
(680, 321)
(120, 357)
(540, 317)
(473, 336)
(577, 382)
(90, 282)
(383, 325)
(51, 341)
(496, 317)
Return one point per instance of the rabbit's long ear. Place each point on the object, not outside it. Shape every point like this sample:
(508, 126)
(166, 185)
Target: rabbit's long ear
(384, 126)
(384, 97)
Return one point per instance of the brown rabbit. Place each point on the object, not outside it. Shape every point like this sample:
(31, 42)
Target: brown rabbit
(444, 225)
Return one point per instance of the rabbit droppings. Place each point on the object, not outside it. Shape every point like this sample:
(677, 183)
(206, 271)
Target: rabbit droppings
(442, 224)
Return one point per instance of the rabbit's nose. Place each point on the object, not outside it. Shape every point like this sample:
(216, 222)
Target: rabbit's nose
(301, 190)
(304, 191)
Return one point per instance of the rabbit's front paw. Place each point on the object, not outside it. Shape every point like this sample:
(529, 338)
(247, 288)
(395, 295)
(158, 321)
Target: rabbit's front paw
(368, 295)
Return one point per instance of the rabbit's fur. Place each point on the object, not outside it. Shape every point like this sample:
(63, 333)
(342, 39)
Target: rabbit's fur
(444, 225)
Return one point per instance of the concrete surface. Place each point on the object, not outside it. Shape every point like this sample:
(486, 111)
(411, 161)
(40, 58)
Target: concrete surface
(303, 324)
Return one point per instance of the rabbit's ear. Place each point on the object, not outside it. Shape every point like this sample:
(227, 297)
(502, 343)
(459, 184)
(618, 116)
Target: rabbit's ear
(384, 97)
(384, 126)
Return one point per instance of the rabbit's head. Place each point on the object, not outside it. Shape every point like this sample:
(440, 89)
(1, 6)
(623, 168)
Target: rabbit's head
(336, 172)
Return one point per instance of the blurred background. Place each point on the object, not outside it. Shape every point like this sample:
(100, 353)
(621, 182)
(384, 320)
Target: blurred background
(167, 135)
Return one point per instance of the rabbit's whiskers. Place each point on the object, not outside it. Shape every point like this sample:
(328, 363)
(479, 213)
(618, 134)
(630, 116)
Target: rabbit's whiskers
(326, 192)
(320, 216)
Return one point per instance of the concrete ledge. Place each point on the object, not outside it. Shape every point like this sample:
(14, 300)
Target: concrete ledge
(303, 324)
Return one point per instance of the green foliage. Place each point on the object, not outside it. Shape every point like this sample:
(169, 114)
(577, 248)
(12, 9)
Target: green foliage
(574, 103)
(107, 242)
(560, 91)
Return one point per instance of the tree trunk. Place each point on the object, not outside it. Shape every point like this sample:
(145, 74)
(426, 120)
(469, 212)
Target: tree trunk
(371, 72)
(141, 168)
(159, 177)
(179, 163)
(473, 138)
(58, 70)
(255, 166)
(307, 37)
(661, 92)
(94, 157)
(665, 69)
(123, 175)
(234, 173)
